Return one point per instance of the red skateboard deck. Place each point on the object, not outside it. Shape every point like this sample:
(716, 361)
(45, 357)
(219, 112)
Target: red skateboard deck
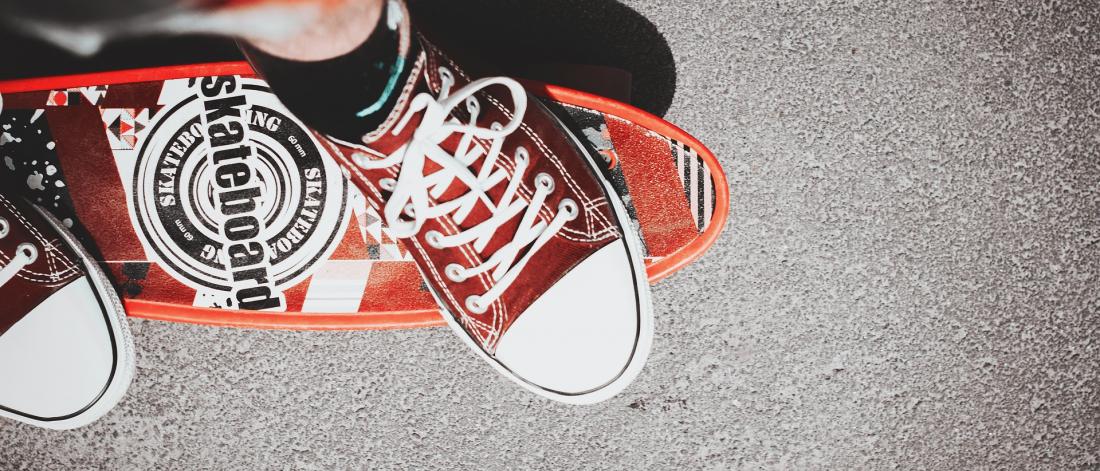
(120, 157)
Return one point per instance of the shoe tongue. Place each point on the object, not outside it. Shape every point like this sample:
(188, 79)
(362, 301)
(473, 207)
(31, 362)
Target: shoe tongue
(386, 142)
(458, 188)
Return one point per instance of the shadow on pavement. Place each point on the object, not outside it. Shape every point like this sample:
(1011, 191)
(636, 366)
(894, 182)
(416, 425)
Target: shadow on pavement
(516, 33)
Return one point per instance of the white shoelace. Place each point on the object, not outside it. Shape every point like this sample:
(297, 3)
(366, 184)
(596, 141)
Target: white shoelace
(25, 255)
(412, 189)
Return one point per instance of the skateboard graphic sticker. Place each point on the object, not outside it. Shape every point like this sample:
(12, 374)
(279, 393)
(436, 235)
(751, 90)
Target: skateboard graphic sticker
(278, 210)
(208, 202)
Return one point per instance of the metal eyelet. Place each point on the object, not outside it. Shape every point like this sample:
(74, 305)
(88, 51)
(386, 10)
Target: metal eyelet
(569, 208)
(472, 105)
(455, 272)
(544, 182)
(28, 251)
(496, 126)
(446, 78)
(473, 304)
(434, 239)
(522, 155)
(387, 184)
(4, 228)
(360, 159)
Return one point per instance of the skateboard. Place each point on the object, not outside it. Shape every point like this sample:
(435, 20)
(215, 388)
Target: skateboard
(120, 158)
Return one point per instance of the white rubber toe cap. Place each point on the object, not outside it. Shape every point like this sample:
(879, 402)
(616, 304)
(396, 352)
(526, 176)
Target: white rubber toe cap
(583, 334)
(57, 361)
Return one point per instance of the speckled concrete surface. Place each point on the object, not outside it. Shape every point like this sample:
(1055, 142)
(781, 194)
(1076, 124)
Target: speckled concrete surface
(910, 279)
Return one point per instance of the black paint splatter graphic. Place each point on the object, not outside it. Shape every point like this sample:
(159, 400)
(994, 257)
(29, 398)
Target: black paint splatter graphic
(134, 275)
(29, 166)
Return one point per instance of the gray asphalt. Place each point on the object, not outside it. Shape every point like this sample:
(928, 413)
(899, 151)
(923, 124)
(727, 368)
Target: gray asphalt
(909, 280)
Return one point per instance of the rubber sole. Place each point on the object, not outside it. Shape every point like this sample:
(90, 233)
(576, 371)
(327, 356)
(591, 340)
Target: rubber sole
(122, 373)
(641, 285)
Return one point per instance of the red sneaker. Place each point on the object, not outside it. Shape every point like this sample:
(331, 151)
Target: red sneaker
(508, 216)
(66, 356)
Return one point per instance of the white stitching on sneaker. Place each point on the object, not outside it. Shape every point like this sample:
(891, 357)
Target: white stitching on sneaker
(499, 310)
(415, 189)
(592, 235)
(25, 255)
(50, 251)
(406, 92)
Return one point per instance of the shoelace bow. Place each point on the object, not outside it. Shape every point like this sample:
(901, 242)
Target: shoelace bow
(412, 191)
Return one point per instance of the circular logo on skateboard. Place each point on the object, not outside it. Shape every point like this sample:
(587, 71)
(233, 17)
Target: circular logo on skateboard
(233, 193)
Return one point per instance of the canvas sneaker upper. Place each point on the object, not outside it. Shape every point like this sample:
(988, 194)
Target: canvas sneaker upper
(502, 209)
(36, 263)
(66, 356)
(487, 188)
